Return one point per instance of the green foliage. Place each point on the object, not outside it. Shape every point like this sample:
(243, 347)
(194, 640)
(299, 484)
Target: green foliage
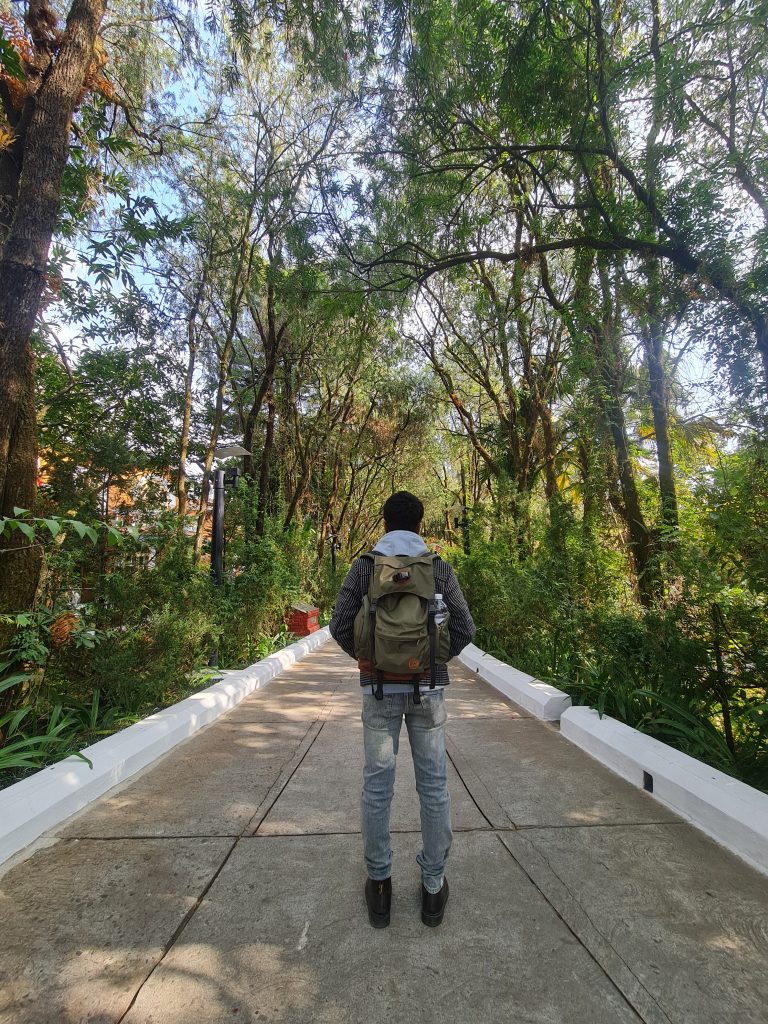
(30, 527)
(161, 627)
(674, 671)
(266, 574)
(34, 743)
(80, 671)
(9, 58)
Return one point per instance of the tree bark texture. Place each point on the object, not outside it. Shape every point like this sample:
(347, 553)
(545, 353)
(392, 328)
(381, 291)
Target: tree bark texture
(641, 545)
(653, 340)
(264, 471)
(23, 264)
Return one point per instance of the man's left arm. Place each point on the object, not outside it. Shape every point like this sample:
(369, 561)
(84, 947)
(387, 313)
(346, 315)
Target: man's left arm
(348, 603)
(460, 626)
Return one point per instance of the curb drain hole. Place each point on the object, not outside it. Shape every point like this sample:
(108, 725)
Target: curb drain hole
(647, 782)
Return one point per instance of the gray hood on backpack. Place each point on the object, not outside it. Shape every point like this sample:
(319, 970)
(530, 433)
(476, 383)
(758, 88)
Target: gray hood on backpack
(400, 542)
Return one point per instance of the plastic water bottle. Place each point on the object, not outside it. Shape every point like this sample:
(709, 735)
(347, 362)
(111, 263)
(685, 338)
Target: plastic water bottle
(441, 610)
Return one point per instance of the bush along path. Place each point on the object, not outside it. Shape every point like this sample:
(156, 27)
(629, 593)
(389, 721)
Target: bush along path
(124, 625)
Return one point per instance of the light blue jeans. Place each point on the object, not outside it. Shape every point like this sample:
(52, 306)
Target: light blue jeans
(425, 723)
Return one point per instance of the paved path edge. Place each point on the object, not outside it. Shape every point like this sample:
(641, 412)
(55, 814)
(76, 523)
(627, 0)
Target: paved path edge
(46, 799)
(542, 700)
(732, 813)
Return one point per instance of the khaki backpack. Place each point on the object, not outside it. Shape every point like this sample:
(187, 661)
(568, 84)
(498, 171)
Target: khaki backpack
(395, 630)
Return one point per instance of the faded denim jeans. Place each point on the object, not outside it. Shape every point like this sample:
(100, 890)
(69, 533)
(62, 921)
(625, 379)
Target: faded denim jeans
(425, 723)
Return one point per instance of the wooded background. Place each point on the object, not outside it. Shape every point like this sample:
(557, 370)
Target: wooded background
(510, 256)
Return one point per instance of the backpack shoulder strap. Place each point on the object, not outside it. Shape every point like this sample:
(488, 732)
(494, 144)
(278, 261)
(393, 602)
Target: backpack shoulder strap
(369, 556)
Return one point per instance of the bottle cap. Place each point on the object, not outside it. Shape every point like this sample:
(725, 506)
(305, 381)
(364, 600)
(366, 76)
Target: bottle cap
(438, 597)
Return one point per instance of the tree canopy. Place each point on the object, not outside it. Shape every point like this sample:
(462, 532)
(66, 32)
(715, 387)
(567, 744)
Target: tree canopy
(512, 257)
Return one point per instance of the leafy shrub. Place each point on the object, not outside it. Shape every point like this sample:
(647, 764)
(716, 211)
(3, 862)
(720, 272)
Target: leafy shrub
(76, 671)
(692, 672)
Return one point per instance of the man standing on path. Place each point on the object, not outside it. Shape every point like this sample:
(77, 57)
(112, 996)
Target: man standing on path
(387, 699)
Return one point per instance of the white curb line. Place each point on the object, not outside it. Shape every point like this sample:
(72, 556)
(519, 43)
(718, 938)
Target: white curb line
(541, 699)
(731, 812)
(45, 799)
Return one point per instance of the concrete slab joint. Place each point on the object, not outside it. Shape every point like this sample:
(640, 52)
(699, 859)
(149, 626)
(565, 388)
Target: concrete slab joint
(731, 812)
(542, 700)
(36, 804)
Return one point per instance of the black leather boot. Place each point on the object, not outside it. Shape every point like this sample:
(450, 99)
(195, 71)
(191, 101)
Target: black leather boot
(378, 896)
(433, 905)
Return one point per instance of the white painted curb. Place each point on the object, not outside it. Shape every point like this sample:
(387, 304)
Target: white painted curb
(731, 812)
(541, 699)
(45, 799)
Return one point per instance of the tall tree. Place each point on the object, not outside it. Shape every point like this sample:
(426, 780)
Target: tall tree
(38, 106)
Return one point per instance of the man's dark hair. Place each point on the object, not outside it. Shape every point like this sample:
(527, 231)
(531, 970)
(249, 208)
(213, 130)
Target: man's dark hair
(403, 511)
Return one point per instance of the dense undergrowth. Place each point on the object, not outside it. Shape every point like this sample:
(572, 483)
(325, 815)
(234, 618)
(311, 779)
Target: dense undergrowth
(691, 672)
(144, 638)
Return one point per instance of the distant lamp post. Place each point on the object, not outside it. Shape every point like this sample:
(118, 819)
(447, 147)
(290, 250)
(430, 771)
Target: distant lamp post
(230, 451)
(222, 478)
(464, 523)
(335, 546)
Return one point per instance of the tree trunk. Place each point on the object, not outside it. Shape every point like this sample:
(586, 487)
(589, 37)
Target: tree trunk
(298, 494)
(264, 474)
(653, 341)
(641, 542)
(22, 277)
(218, 416)
(241, 275)
(249, 433)
(181, 479)
(20, 566)
(465, 537)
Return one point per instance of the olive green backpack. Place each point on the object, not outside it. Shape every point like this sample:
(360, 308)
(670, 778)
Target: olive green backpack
(395, 629)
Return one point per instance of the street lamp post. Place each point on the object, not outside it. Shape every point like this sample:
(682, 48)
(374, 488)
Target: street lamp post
(222, 479)
(335, 546)
(217, 529)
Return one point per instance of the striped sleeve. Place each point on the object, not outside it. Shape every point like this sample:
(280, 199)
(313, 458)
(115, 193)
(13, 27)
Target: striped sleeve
(348, 602)
(461, 626)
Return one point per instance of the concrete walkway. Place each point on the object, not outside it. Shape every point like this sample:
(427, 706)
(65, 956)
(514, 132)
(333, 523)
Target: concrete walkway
(226, 884)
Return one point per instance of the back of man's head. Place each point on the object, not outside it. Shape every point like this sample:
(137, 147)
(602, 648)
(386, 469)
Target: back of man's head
(403, 511)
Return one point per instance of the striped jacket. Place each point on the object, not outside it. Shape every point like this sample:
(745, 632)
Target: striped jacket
(355, 587)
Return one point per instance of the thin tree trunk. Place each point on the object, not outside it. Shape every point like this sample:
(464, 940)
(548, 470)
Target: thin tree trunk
(181, 480)
(20, 568)
(721, 680)
(653, 341)
(641, 541)
(326, 522)
(465, 537)
(241, 275)
(298, 494)
(653, 329)
(551, 490)
(641, 544)
(264, 469)
(218, 416)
